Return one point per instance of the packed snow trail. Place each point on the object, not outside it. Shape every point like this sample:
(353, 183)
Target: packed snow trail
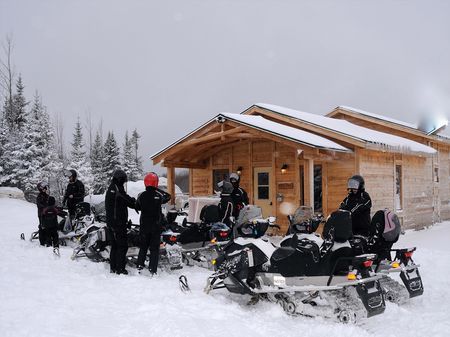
(43, 295)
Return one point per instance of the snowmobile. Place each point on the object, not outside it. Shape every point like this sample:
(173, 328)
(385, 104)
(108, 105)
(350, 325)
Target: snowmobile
(95, 245)
(201, 242)
(72, 229)
(384, 232)
(305, 278)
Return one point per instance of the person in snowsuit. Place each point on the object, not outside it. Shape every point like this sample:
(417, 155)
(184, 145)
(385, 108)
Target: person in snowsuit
(239, 195)
(226, 205)
(149, 203)
(358, 202)
(117, 202)
(74, 192)
(42, 202)
(50, 224)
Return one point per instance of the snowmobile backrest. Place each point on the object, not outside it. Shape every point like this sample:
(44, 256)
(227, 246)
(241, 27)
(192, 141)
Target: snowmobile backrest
(82, 209)
(339, 226)
(387, 223)
(249, 213)
(210, 214)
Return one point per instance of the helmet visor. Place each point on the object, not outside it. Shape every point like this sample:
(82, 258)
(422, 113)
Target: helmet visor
(353, 184)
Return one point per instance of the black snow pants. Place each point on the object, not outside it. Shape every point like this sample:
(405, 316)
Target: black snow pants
(152, 241)
(43, 239)
(52, 237)
(119, 248)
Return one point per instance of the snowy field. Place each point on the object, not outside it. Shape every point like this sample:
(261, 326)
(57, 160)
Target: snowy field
(42, 295)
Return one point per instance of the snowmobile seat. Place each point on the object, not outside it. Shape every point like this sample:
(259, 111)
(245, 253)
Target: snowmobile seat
(210, 214)
(282, 253)
(339, 226)
(340, 258)
(82, 209)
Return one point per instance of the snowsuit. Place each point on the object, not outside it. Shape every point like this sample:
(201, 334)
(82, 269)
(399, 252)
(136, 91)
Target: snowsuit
(50, 225)
(117, 202)
(149, 203)
(77, 190)
(240, 199)
(226, 208)
(41, 202)
(359, 205)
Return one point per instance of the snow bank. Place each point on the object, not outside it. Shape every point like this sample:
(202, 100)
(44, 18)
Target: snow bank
(45, 296)
(11, 192)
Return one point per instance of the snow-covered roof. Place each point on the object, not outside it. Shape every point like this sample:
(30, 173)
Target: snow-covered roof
(351, 130)
(380, 117)
(283, 131)
(260, 123)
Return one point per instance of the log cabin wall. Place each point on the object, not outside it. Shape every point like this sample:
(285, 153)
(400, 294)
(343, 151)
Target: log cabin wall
(444, 182)
(337, 176)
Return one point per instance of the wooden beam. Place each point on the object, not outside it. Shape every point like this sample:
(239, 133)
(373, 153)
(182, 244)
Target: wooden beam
(171, 184)
(214, 149)
(184, 164)
(220, 135)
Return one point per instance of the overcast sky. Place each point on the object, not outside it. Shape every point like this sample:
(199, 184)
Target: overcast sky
(165, 67)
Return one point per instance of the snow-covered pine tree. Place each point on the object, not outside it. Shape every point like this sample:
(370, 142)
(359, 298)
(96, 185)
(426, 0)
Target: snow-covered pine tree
(137, 171)
(128, 161)
(17, 119)
(111, 158)
(100, 180)
(3, 139)
(78, 160)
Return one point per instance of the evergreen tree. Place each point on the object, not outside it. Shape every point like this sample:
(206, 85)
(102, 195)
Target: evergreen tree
(129, 164)
(111, 159)
(137, 171)
(98, 172)
(78, 161)
(17, 113)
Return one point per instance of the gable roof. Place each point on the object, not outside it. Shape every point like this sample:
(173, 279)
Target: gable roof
(258, 123)
(371, 138)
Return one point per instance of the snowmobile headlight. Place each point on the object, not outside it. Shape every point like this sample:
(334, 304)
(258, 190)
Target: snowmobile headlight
(351, 276)
(213, 240)
(395, 264)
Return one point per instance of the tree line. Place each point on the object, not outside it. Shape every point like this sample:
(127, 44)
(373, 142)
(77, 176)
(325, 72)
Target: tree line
(32, 146)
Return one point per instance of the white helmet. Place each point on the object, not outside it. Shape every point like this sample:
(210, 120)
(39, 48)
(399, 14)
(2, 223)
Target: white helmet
(235, 177)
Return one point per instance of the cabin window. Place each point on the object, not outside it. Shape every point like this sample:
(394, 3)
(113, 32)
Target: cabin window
(218, 176)
(263, 185)
(317, 188)
(398, 187)
(436, 175)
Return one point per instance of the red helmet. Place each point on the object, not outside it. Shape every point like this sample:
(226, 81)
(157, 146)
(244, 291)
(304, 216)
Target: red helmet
(151, 179)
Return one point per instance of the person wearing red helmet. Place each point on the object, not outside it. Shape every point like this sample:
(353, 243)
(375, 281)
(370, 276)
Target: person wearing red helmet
(149, 203)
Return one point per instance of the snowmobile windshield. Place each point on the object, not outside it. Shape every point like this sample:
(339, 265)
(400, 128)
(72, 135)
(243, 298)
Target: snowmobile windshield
(353, 184)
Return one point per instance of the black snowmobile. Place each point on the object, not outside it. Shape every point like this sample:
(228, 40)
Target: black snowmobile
(384, 232)
(95, 245)
(305, 278)
(72, 229)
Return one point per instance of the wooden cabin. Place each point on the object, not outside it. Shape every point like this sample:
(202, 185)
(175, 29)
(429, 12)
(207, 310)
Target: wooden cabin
(287, 158)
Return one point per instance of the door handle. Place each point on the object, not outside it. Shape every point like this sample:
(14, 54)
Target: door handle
(270, 203)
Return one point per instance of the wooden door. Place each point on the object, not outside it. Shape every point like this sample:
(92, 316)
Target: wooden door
(262, 195)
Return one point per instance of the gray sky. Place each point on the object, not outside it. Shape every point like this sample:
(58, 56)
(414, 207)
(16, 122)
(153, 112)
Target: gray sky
(165, 67)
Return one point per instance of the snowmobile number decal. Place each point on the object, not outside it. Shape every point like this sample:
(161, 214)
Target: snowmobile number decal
(279, 281)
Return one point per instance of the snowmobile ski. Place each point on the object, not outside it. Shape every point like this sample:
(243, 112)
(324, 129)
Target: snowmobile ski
(22, 236)
(183, 282)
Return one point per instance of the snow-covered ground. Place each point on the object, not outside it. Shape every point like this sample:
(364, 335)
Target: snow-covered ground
(41, 295)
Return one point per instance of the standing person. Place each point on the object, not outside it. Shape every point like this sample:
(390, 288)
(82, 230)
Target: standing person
(149, 203)
(74, 192)
(226, 205)
(358, 202)
(42, 202)
(50, 224)
(117, 202)
(239, 196)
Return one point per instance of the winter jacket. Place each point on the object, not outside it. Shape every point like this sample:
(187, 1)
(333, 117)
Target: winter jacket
(117, 202)
(240, 199)
(50, 217)
(77, 190)
(41, 202)
(226, 207)
(359, 205)
(149, 203)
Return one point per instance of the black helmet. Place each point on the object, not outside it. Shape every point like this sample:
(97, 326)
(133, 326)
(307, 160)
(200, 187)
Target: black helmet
(51, 201)
(225, 187)
(120, 177)
(356, 182)
(70, 173)
(41, 186)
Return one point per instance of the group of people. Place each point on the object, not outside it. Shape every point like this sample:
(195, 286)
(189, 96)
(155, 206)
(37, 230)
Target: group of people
(149, 203)
(48, 212)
